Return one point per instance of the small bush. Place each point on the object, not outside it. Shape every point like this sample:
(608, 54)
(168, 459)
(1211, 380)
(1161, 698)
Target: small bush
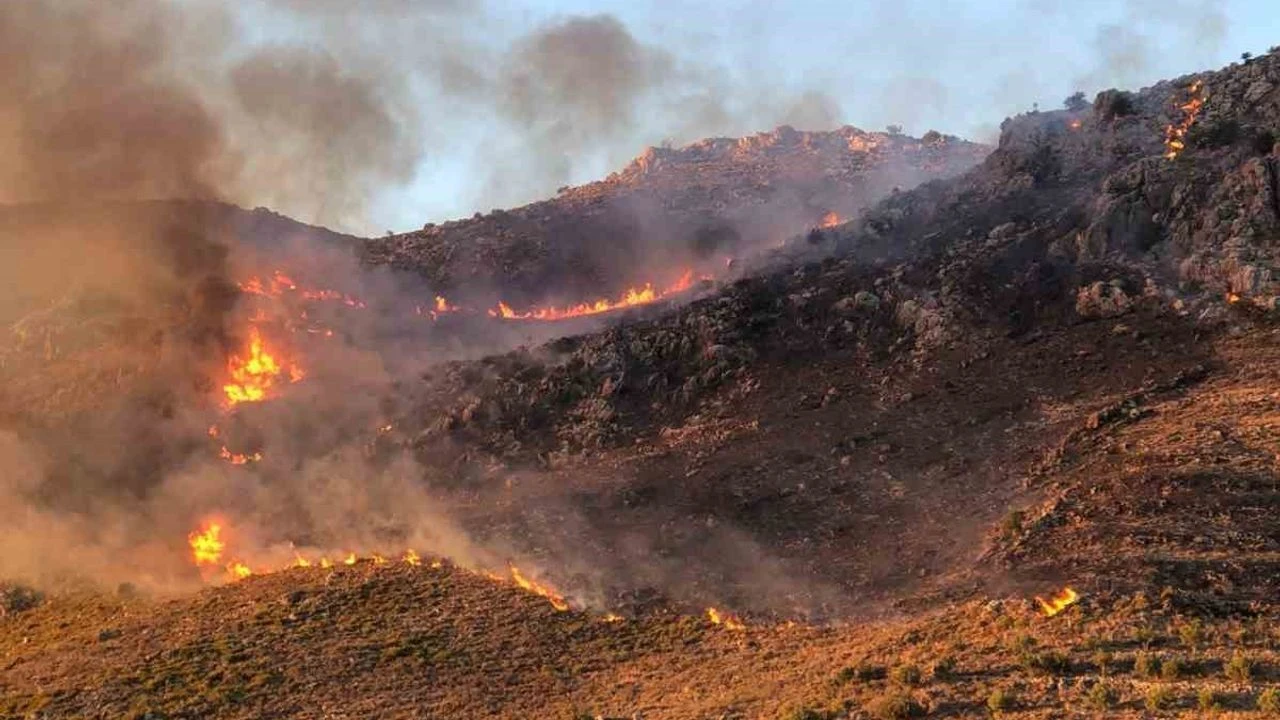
(1240, 668)
(1110, 104)
(895, 706)
(1023, 641)
(1104, 661)
(1208, 699)
(1158, 698)
(906, 675)
(1269, 700)
(1146, 665)
(1144, 636)
(1264, 142)
(944, 668)
(1102, 696)
(18, 598)
(845, 676)
(865, 672)
(1000, 700)
(1049, 662)
(1012, 524)
(1172, 668)
(1191, 633)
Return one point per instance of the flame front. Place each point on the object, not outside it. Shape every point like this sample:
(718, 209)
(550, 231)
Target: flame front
(1175, 136)
(632, 297)
(253, 375)
(1056, 604)
(556, 599)
(831, 219)
(729, 622)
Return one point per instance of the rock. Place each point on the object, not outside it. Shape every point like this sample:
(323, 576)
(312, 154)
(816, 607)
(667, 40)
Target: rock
(1258, 90)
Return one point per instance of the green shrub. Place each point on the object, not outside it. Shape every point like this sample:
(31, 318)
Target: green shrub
(1207, 699)
(944, 668)
(1158, 698)
(1104, 661)
(1102, 696)
(906, 675)
(1049, 662)
(1000, 700)
(1269, 700)
(1144, 635)
(1146, 665)
(1191, 633)
(1012, 524)
(895, 706)
(862, 672)
(1172, 668)
(1240, 668)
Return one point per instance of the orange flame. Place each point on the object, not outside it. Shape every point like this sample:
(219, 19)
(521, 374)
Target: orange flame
(1063, 600)
(411, 557)
(632, 297)
(238, 570)
(1175, 135)
(831, 219)
(252, 377)
(350, 559)
(207, 545)
(556, 599)
(730, 622)
(1075, 124)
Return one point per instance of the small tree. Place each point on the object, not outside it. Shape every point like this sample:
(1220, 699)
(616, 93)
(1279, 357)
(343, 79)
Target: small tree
(894, 129)
(1076, 102)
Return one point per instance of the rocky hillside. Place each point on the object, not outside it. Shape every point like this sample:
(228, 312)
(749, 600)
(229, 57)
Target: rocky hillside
(670, 208)
(1056, 369)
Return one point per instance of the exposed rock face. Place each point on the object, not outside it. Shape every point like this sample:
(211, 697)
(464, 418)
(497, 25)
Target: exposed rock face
(691, 206)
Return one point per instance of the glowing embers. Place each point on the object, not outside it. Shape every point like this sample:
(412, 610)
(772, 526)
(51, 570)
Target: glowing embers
(829, 220)
(254, 373)
(1175, 135)
(725, 620)
(1059, 602)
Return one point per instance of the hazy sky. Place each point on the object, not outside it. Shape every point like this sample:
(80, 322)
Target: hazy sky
(737, 67)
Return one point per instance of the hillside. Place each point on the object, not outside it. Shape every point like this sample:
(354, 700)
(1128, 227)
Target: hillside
(873, 450)
(670, 208)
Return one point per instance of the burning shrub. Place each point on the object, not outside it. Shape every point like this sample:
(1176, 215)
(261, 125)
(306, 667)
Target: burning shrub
(1111, 104)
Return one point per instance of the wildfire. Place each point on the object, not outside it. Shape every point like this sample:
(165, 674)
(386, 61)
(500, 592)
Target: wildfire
(1175, 135)
(239, 570)
(1056, 604)
(632, 297)
(1075, 124)
(238, 458)
(280, 283)
(730, 622)
(831, 219)
(207, 545)
(412, 558)
(556, 599)
(253, 375)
